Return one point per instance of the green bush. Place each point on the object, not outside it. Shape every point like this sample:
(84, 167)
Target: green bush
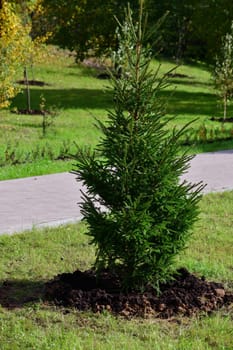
(139, 214)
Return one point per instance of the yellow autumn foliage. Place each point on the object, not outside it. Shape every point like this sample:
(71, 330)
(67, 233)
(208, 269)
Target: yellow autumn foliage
(15, 44)
(39, 51)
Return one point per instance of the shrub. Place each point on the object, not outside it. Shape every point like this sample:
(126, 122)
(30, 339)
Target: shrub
(139, 214)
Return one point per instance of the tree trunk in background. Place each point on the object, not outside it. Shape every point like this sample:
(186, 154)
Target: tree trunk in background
(225, 107)
(27, 89)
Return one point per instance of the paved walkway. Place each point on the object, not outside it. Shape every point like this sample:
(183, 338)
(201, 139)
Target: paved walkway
(53, 199)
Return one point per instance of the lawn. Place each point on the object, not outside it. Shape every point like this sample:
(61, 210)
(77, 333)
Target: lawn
(29, 259)
(79, 97)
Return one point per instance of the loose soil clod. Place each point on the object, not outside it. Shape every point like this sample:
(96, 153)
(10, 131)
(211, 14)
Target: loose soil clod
(186, 295)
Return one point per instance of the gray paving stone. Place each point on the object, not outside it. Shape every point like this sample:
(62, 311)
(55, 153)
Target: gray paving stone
(38, 201)
(53, 199)
(215, 169)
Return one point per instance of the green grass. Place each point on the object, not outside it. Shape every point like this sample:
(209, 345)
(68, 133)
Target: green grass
(79, 98)
(41, 167)
(29, 259)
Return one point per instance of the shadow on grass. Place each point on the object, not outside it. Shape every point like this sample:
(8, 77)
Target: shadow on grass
(84, 71)
(189, 82)
(17, 293)
(194, 103)
(67, 98)
(33, 125)
(227, 147)
(179, 102)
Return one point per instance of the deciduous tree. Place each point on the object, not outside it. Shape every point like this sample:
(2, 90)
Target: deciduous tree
(14, 37)
(85, 26)
(192, 29)
(223, 73)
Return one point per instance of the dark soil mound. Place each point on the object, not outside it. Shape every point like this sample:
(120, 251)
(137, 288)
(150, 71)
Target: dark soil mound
(222, 120)
(103, 76)
(32, 82)
(31, 112)
(186, 295)
(177, 75)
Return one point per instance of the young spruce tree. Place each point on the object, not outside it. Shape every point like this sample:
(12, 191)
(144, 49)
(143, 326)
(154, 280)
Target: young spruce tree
(138, 213)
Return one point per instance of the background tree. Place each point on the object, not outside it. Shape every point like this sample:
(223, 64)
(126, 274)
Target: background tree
(177, 27)
(85, 26)
(223, 73)
(146, 213)
(13, 39)
(31, 46)
(211, 21)
(192, 29)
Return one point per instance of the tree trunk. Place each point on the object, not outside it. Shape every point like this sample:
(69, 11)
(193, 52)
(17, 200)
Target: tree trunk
(27, 89)
(224, 107)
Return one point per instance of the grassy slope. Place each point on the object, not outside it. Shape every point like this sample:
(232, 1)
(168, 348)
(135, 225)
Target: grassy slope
(29, 259)
(80, 98)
